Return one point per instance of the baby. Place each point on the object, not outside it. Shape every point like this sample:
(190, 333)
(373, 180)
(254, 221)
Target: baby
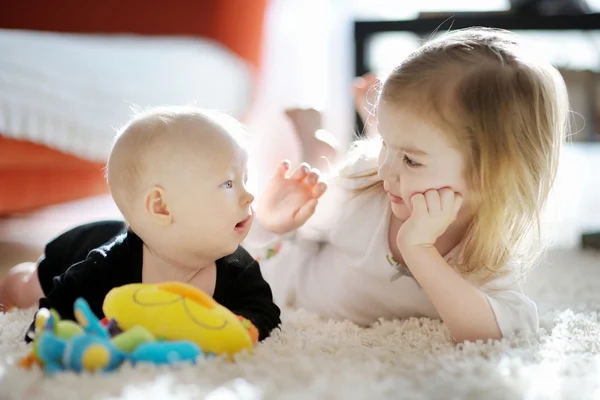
(178, 175)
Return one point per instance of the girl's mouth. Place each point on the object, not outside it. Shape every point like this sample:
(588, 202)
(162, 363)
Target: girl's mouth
(395, 199)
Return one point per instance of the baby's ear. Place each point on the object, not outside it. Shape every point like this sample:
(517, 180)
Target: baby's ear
(155, 204)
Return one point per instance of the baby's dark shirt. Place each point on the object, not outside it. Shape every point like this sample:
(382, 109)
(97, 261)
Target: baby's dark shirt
(90, 260)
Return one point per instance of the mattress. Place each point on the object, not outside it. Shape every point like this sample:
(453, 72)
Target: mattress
(70, 92)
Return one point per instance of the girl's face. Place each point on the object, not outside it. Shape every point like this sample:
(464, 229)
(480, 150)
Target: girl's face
(414, 158)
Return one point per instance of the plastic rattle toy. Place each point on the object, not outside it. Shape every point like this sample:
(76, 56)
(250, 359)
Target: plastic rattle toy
(152, 323)
(178, 311)
(93, 349)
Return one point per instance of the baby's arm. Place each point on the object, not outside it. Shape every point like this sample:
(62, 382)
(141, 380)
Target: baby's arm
(89, 279)
(252, 299)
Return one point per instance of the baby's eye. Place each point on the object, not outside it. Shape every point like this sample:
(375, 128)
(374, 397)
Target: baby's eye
(228, 185)
(410, 163)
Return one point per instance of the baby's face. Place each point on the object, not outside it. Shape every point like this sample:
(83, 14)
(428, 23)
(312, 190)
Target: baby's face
(211, 205)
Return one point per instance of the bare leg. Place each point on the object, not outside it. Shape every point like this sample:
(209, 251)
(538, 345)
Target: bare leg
(366, 89)
(4, 306)
(319, 147)
(21, 288)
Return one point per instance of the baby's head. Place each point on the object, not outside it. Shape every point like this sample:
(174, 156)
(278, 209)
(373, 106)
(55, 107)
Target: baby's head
(472, 111)
(178, 175)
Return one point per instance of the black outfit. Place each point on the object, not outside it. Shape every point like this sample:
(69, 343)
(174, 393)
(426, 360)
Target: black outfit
(90, 260)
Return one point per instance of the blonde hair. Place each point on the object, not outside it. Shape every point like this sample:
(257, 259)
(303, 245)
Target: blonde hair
(507, 114)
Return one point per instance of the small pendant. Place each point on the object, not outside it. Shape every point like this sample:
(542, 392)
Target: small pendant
(401, 270)
(397, 276)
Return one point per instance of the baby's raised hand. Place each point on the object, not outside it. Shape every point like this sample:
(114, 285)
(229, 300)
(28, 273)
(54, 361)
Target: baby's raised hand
(432, 213)
(290, 198)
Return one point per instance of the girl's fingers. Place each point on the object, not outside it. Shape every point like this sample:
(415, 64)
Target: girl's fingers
(432, 198)
(319, 189)
(419, 205)
(313, 177)
(458, 201)
(283, 168)
(300, 172)
(447, 199)
(305, 212)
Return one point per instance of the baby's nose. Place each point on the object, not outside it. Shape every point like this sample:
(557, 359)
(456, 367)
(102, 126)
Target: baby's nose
(248, 198)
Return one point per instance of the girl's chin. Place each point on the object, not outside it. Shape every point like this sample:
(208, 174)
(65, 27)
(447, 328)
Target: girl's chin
(400, 211)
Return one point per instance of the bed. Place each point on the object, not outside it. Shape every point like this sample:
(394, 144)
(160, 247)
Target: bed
(70, 75)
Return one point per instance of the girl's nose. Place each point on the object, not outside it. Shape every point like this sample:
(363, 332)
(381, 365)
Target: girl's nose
(387, 173)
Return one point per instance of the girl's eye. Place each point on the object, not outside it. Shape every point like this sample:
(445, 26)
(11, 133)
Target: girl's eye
(228, 185)
(410, 163)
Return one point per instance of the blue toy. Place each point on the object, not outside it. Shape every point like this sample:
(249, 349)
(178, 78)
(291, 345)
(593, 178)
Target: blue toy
(95, 350)
(92, 350)
(164, 353)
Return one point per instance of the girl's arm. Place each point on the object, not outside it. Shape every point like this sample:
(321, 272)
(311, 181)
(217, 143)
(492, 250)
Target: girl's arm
(470, 312)
(261, 242)
(463, 307)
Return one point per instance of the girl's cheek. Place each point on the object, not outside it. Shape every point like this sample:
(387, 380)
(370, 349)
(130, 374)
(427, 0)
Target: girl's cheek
(412, 186)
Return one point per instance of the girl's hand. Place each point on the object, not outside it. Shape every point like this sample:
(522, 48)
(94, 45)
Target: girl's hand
(431, 215)
(290, 199)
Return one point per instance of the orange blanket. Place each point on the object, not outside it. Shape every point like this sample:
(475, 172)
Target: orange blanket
(33, 176)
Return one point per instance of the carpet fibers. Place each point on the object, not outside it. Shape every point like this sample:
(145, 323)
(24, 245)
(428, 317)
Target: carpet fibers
(414, 359)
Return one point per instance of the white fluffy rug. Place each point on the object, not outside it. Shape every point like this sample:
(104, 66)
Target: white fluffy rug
(412, 359)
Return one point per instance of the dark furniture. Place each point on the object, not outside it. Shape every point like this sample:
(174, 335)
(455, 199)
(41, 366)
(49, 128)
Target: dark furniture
(365, 30)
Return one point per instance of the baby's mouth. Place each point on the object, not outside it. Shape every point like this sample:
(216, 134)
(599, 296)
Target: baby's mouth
(242, 224)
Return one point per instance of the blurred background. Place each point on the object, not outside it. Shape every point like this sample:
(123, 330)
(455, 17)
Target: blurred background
(71, 73)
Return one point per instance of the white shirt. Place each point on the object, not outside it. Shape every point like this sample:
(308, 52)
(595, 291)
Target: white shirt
(339, 266)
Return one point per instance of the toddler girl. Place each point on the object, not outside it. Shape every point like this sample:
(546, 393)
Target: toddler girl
(439, 216)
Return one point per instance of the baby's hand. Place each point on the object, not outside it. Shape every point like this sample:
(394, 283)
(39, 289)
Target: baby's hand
(289, 199)
(431, 215)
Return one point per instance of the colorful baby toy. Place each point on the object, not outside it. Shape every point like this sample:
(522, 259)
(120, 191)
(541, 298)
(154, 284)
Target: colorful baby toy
(177, 311)
(62, 329)
(91, 350)
(160, 324)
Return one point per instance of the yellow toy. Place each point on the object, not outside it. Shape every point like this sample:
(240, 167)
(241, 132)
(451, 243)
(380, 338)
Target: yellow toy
(178, 311)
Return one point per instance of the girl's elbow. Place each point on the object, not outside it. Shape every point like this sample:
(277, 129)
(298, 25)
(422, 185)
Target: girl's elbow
(486, 335)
